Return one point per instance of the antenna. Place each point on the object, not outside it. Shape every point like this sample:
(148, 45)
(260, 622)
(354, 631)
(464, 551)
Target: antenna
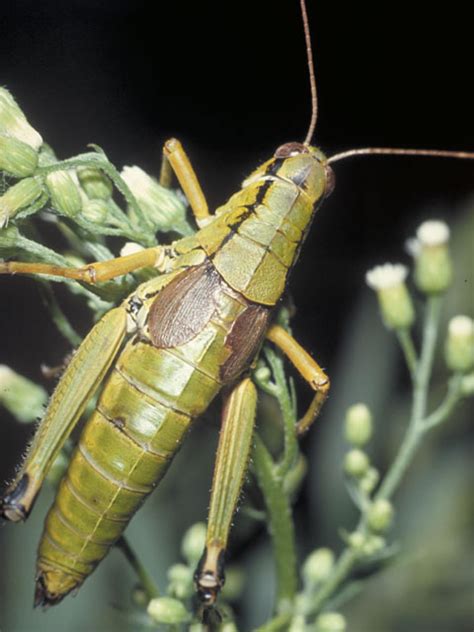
(312, 79)
(394, 151)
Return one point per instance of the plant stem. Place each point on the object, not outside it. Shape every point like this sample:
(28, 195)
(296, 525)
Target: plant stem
(421, 372)
(280, 622)
(280, 526)
(282, 394)
(406, 342)
(415, 428)
(447, 405)
(341, 570)
(145, 578)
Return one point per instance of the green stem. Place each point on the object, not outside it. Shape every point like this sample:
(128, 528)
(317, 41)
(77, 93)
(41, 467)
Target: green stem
(446, 407)
(341, 570)
(280, 622)
(282, 393)
(281, 526)
(145, 578)
(415, 428)
(421, 372)
(406, 342)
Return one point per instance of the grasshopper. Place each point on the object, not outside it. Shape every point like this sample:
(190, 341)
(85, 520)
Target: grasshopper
(161, 357)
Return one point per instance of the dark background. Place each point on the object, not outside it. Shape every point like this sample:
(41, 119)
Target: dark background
(230, 81)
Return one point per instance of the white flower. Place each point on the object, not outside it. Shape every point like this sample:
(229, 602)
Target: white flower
(131, 248)
(433, 233)
(461, 326)
(385, 276)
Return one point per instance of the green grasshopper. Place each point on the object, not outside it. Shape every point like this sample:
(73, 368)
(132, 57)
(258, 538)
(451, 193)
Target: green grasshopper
(163, 355)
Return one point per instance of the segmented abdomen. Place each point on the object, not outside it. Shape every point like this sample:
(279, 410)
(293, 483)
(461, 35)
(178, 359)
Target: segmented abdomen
(140, 421)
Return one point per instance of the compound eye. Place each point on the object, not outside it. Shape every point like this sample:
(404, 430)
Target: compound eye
(330, 181)
(291, 149)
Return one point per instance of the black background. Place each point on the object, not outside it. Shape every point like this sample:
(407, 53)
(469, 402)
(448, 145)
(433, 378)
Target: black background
(230, 81)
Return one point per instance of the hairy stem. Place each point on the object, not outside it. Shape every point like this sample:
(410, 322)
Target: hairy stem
(280, 524)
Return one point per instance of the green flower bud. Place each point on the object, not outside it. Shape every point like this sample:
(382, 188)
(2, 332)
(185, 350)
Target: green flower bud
(369, 481)
(139, 596)
(298, 624)
(22, 397)
(330, 622)
(380, 515)
(228, 626)
(19, 196)
(167, 610)
(459, 347)
(263, 374)
(193, 543)
(467, 385)
(356, 463)
(358, 424)
(9, 236)
(95, 211)
(17, 158)
(373, 544)
(433, 265)
(317, 566)
(13, 122)
(161, 206)
(95, 183)
(65, 193)
(394, 299)
(356, 540)
(180, 579)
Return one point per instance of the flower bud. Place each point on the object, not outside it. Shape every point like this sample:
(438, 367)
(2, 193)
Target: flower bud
(193, 543)
(330, 622)
(373, 544)
(467, 385)
(23, 398)
(356, 540)
(356, 463)
(13, 122)
(139, 596)
(95, 211)
(65, 193)
(394, 300)
(17, 158)
(21, 195)
(358, 424)
(459, 347)
(369, 481)
(180, 579)
(298, 624)
(167, 610)
(433, 266)
(380, 515)
(161, 206)
(317, 566)
(95, 183)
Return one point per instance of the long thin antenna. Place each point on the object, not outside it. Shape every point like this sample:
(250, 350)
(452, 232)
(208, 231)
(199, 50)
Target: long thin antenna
(312, 79)
(392, 151)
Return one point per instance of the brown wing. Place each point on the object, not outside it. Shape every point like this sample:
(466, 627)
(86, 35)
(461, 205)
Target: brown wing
(244, 340)
(184, 306)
